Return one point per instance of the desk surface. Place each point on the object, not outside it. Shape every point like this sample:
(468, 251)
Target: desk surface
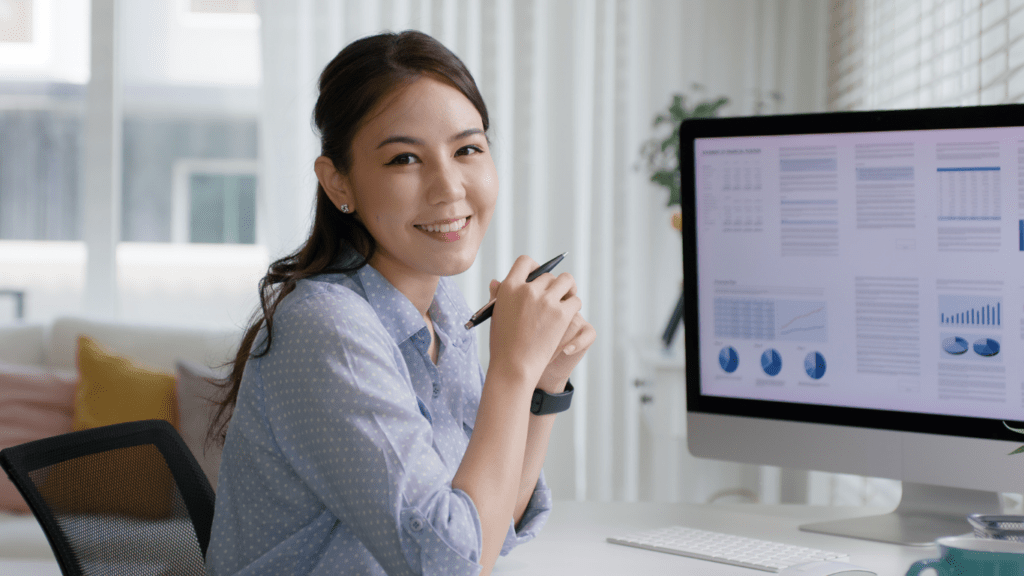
(573, 541)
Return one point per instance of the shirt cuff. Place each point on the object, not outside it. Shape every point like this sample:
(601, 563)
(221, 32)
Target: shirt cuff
(443, 544)
(534, 517)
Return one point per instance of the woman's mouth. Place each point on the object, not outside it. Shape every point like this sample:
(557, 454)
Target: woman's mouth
(453, 226)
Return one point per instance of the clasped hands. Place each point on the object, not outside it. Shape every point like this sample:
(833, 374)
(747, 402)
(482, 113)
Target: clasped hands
(539, 325)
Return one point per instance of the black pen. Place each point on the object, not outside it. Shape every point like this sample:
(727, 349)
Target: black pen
(485, 312)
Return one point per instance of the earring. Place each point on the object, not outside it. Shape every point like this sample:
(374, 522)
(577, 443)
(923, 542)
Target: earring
(344, 208)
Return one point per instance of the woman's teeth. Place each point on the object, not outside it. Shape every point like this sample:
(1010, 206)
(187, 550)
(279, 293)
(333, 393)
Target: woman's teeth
(452, 227)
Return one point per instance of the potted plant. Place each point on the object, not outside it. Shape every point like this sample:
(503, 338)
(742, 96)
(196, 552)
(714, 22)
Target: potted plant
(661, 157)
(661, 153)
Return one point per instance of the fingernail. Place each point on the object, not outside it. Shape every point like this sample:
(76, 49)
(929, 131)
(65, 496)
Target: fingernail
(569, 349)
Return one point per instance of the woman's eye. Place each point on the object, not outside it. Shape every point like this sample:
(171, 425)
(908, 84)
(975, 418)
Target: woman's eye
(402, 159)
(467, 150)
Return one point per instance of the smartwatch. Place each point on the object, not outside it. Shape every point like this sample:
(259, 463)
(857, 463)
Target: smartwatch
(544, 403)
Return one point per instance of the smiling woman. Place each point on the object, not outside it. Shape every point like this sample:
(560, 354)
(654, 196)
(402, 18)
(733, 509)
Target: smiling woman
(362, 436)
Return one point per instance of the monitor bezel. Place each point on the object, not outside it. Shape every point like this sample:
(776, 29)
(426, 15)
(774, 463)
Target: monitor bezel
(819, 123)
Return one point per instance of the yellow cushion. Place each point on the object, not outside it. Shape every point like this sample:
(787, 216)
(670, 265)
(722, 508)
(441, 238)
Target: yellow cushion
(112, 389)
(130, 481)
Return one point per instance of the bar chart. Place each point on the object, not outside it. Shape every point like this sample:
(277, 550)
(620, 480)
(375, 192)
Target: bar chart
(970, 311)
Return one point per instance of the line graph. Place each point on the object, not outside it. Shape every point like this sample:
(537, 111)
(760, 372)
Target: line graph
(770, 319)
(801, 321)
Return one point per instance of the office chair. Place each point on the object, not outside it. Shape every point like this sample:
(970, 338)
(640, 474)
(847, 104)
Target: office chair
(121, 499)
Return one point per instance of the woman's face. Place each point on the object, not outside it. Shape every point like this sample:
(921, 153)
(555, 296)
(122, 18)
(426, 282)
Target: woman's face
(423, 181)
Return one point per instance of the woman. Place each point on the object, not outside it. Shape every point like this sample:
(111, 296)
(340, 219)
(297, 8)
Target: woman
(364, 436)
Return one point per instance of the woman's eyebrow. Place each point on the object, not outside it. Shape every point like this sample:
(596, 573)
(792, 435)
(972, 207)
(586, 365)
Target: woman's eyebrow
(400, 140)
(465, 133)
(418, 142)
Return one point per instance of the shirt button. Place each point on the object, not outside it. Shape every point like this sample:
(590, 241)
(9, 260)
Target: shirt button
(416, 524)
(437, 389)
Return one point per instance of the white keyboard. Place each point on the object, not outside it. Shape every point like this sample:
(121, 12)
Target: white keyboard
(726, 548)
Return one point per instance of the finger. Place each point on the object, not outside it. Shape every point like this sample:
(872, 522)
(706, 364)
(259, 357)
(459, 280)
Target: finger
(575, 324)
(572, 305)
(564, 286)
(586, 336)
(521, 268)
(572, 290)
(494, 288)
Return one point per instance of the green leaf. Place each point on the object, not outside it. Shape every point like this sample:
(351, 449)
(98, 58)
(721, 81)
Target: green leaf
(1017, 451)
(675, 195)
(664, 178)
(676, 108)
(709, 109)
(670, 143)
(1017, 430)
(662, 153)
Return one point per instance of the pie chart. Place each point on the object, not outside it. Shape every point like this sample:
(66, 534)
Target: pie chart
(729, 359)
(771, 362)
(986, 347)
(955, 345)
(814, 365)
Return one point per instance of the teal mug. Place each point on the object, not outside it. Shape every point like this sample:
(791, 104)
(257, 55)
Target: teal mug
(968, 556)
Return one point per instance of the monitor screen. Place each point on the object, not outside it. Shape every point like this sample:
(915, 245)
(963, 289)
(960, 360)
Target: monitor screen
(858, 269)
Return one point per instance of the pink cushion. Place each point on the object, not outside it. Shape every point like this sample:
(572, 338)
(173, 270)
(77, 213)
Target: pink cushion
(196, 408)
(34, 403)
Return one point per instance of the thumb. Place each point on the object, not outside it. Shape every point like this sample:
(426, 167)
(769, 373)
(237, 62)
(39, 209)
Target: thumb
(494, 287)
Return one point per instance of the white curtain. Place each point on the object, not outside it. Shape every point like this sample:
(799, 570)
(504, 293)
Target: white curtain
(572, 87)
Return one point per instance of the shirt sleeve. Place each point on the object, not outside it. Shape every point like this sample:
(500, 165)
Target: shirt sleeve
(534, 517)
(343, 412)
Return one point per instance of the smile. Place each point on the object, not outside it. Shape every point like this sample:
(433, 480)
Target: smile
(453, 226)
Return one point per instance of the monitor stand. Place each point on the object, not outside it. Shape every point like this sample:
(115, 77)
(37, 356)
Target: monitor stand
(925, 513)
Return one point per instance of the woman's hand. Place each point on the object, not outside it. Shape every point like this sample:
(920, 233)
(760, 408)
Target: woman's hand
(530, 320)
(573, 345)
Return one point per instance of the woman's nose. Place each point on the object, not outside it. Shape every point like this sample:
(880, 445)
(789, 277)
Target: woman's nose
(446, 184)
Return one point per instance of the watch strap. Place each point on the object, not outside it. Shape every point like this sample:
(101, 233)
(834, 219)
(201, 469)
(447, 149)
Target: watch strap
(545, 403)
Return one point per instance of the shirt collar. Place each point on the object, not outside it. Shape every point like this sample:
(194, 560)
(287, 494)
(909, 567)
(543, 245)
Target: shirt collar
(402, 320)
(450, 312)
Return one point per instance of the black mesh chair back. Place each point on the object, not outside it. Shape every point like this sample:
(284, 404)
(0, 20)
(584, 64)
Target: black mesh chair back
(122, 499)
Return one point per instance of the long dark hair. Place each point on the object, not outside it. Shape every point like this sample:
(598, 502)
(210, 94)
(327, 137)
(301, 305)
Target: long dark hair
(352, 85)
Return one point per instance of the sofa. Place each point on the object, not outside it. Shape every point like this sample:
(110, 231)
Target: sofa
(46, 372)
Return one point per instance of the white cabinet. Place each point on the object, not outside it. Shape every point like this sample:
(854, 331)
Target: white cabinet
(666, 470)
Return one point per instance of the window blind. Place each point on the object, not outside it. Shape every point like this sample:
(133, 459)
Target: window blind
(888, 54)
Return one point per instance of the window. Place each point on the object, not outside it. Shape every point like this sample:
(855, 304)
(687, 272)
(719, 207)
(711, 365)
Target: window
(39, 169)
(887, 54)
(44, 67)
(187, 73)
(160, 149)
(214, 202)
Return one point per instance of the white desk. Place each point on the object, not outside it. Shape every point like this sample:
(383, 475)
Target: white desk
(573, 541)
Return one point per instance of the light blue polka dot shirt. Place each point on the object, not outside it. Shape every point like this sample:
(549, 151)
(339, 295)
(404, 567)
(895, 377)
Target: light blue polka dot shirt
(345, 438)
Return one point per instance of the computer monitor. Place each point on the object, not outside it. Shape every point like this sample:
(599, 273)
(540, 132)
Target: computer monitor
(854, 303)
